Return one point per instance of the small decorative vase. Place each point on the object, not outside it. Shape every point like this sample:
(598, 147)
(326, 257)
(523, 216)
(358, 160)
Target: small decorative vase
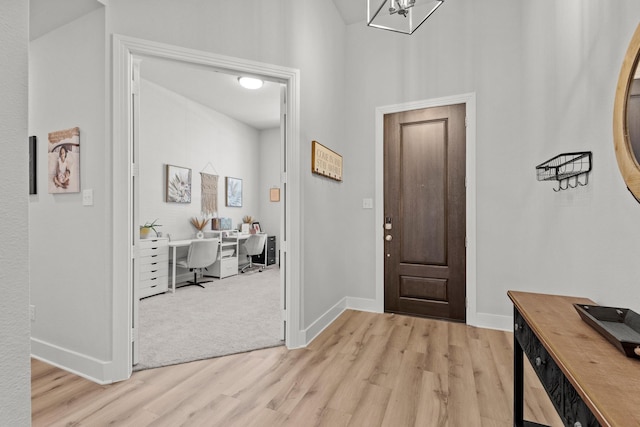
(200, 234)
(145, 232)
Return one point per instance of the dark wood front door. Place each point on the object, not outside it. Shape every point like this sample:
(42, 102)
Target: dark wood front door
(425, 212)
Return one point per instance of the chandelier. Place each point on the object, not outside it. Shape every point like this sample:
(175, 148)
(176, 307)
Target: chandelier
(402, 16)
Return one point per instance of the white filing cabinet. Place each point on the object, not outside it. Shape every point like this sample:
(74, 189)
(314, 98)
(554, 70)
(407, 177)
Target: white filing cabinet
(154, 267)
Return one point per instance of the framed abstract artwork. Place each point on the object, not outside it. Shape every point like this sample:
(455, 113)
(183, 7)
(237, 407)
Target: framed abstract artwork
(178, 184)
(234, 192)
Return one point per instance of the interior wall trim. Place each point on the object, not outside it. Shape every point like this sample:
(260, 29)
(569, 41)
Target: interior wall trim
(124, 50)
(469, 99)
(326, 319)
(98, 371)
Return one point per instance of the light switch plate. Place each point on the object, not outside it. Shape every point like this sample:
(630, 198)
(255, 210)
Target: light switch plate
(367, 203)
(87, 197)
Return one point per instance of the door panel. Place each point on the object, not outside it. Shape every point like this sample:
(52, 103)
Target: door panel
(423, 177)
(425, 220)
(425, 288)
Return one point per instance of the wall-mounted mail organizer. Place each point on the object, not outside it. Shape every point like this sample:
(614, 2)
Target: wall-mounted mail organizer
(569, 169)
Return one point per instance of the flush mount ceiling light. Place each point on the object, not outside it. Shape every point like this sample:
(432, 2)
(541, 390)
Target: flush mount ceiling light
(401, 16)
(250, 82)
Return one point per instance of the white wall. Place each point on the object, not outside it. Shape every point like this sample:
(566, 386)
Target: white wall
(270, 212)
(70, 257)
(15, 396)
(545, 74)
(175, 130)
(307, 35)
(576, 242)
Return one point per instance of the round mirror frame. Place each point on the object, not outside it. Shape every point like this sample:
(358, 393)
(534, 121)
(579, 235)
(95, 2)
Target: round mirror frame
(627, 162)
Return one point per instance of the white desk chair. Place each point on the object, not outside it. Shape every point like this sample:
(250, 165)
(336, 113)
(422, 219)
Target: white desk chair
(202, 253)
(254, 246)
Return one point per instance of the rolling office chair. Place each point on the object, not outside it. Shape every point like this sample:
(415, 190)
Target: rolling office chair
(254, 246)
(202, 253)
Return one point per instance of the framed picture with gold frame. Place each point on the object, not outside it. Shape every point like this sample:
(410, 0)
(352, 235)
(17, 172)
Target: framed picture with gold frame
(325, 161)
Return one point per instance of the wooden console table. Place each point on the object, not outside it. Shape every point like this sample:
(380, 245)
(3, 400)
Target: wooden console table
(589, 381)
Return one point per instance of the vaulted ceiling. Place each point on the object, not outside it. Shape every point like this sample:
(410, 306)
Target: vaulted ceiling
(219, 91)
(352, 11)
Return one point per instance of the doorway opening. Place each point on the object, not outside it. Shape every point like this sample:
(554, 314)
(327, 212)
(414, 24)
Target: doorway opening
(125, 171)
(201, 120)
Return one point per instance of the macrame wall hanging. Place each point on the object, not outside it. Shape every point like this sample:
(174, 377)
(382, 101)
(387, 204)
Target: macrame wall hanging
(209, 194)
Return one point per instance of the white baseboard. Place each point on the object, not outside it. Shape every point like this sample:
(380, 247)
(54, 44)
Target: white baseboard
(494, 321)
(323, 321)
(364, 304)
(79, 364)
(360, 304)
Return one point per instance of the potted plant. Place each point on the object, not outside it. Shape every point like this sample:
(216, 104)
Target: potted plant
(199, 224)
(145, 230)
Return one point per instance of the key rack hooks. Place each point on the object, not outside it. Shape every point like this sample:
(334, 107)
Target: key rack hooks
(567, 169)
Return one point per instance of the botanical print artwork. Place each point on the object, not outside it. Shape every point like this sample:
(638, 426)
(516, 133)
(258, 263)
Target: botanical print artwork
(178, 184)
(64, 161)
(234, 192)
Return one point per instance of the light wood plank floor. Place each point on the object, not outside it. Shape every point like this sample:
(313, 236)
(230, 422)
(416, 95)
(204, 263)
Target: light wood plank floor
(364, 370)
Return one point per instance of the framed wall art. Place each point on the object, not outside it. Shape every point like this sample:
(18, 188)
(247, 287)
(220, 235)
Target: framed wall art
(234, 192)
(178, 188)
(64, 161)
(274, 194)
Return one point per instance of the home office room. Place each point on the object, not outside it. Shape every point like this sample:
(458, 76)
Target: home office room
(209, 214)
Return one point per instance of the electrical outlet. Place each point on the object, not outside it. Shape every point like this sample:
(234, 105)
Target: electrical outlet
(32, 312)
(87, 197)
(367, 203)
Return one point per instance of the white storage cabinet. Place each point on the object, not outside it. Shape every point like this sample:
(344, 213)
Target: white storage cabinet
(154, 267)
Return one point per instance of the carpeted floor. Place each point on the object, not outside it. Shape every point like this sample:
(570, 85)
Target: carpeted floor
(232, 315)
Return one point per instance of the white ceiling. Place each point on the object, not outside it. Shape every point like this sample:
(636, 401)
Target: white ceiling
(216, 90)
(352, 11)
(47, 15)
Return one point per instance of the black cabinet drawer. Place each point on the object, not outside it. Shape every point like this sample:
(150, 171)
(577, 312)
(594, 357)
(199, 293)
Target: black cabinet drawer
(269, 252)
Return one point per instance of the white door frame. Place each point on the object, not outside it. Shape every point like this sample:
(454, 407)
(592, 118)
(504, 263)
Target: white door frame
(469, 99)
(124, 49)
